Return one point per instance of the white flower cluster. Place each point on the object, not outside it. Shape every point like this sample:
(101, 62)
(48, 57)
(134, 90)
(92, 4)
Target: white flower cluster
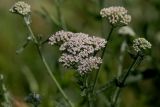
(141, 44)
(69, 60)
(21, 8)
(83, 44)
(60, 37)
(116, 15)
(78, 50)
(126, 31)
(89, 64)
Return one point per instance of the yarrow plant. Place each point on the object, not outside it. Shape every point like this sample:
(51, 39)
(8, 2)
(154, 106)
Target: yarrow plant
(85, 53)
(116, 15)
(78, 50)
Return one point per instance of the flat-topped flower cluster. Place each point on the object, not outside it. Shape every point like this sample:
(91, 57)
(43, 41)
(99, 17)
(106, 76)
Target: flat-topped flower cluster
(116, 15)
(78, 50)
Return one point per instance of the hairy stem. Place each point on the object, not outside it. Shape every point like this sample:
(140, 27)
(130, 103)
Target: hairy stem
(102, 56)
(47, 66)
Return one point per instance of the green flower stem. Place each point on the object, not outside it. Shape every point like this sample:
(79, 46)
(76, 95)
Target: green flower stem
(46, 65)
(115, 97)
(90, 104)
(135, 63)
(102, 56)
(27, 22)
(54, 78)
(120, 67)
(130, 68)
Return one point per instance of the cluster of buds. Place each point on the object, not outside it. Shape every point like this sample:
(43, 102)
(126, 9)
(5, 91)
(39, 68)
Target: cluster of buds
(78, 50)
(141, 45)
(21, 8)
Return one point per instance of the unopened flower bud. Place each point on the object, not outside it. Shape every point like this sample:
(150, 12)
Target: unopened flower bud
(141, 44)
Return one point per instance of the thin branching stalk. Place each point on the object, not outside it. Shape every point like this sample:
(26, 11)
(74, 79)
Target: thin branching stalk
(130, 68)
(102, 56)
(88, 93)
(120, 68)
(38, 47)
(116, 94)
(89, 101)
(97, 72)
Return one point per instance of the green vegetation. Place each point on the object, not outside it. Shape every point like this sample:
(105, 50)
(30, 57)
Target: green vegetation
(23, 71)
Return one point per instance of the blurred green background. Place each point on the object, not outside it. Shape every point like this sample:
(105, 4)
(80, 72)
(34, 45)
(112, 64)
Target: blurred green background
(25, 73)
